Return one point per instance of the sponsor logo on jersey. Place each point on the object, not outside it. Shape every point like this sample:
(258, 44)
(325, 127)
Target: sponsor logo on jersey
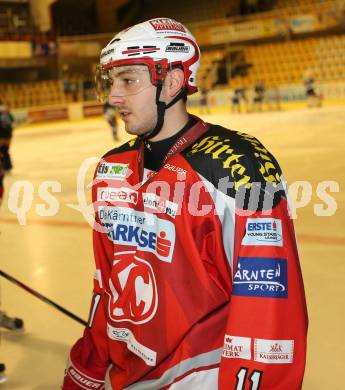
(115, 171)
(273, 351)
(140, 229)
(166, 24)
(267, 167)
(177, 48)
(154, 202)
(261, 277)
(84, 381)
(122, 194)
(263, 231)
(176, 169)
(219, 148)
(134, 289)
(125, 335)
(236, 347)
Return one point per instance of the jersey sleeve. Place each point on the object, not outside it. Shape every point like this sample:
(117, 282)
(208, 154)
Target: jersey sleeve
(89, 359)
(265, 338)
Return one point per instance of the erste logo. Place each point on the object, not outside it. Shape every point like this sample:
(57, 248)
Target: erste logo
(263, 232)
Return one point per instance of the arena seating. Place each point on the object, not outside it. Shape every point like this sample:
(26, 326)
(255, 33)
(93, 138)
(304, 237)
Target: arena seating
(290, 62)
(276, 64)
(190, 11)
(32, 94)
(208, 67)
(295, 7)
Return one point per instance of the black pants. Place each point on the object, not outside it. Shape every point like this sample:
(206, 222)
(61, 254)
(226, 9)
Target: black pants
(5, 157)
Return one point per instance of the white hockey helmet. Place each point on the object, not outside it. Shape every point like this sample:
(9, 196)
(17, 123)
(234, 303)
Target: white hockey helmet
(160, 44)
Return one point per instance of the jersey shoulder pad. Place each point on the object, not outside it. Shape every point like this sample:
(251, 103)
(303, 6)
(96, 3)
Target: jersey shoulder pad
(234, 161)
(132, 144)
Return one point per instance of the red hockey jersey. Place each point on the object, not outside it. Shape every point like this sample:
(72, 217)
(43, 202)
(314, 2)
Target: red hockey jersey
(197, 283)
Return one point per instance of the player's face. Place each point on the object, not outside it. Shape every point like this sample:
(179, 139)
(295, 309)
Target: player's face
(133, 94)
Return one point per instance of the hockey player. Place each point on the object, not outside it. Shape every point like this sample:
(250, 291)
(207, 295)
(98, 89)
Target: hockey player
(2, 174)
(259, 95)
(2, 373)
(110, 116)
(6, 130)
(238, 97)
(313, 99)
(204, 107)
(6, 322)
(10, 323)
(2, 366)
(197, 282)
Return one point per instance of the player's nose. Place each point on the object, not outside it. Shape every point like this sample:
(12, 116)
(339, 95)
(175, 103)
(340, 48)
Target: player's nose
(116, 100)
(116, 95)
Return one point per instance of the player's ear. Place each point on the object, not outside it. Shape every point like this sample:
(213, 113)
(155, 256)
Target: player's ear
(174, 82)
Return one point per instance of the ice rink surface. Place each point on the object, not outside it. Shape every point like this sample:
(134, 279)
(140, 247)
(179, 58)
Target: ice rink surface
(53, 253)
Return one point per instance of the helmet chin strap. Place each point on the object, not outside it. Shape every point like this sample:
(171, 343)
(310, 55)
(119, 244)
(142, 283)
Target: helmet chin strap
(161, 107)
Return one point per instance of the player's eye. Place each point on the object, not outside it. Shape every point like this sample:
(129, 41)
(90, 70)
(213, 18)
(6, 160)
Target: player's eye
(130, 81)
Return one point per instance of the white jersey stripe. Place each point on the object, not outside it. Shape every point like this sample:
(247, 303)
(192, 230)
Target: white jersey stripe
(198, 380)
(206, 376)
(225, 207)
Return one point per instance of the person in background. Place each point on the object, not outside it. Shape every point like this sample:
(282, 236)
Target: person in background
(9, 323)
(313, 99)
(238, 97)
(198, 283)
(6, 132)
(259, 95)
(12, 324)
(204, 108)
(110, 116)
(2, 174)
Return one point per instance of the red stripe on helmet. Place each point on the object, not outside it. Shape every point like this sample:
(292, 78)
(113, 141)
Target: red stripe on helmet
(130, 51)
